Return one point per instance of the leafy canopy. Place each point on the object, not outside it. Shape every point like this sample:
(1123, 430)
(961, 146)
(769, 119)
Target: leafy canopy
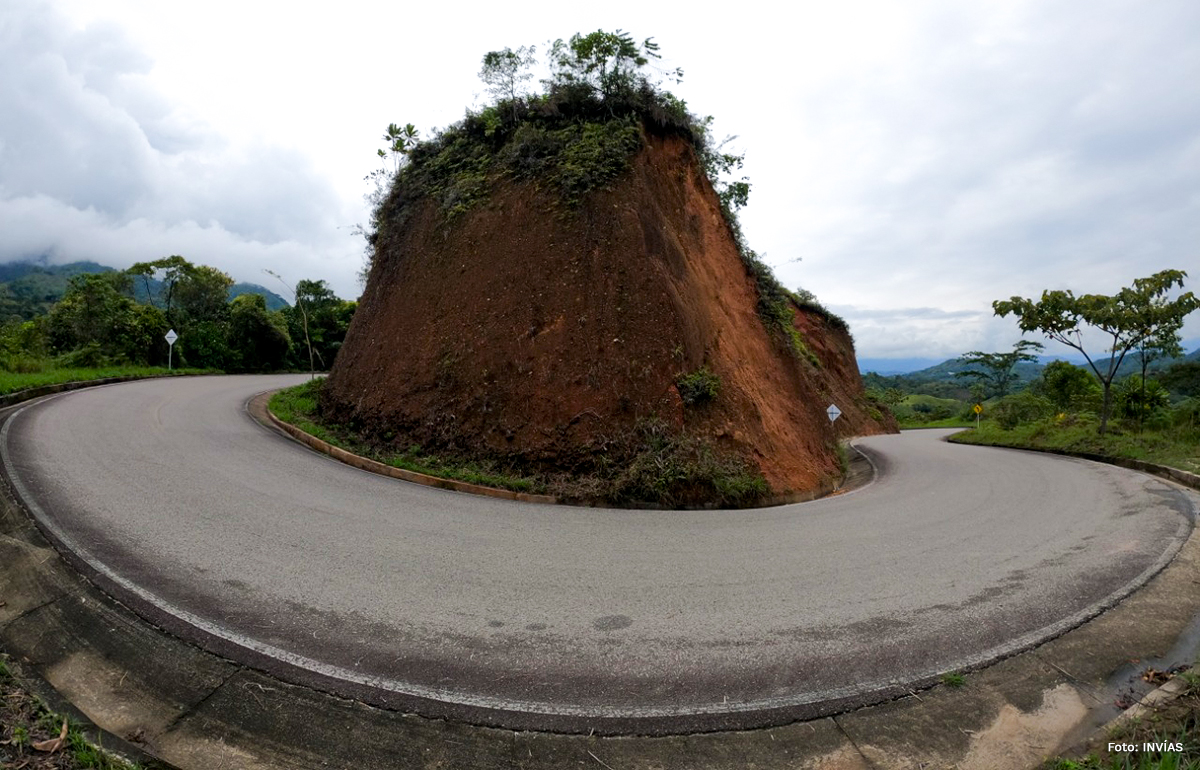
(996, 370)
(1128, 318)
(506, 70)
(610, 63)
(602, 98)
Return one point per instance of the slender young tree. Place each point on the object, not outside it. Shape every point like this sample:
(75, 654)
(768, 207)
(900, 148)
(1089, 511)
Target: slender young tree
(300, 303)
(996, 369)
(505, 71)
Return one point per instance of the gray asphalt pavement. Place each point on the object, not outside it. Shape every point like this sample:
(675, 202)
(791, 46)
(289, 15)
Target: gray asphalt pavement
(535, 615)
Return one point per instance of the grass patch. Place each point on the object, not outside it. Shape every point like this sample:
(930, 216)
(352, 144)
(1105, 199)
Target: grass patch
(11, 382)
(649, 464)
(1176, 447)
(699, 387)
(298, 406)
(672, 469)
(920, 399)
(954, 679)
(918, 410)
(26, 721)
(945, 422)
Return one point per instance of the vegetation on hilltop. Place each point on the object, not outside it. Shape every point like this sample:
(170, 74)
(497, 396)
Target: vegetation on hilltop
(601, 101)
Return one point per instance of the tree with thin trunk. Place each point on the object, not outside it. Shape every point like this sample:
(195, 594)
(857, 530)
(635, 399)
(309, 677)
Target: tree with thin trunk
(996, 369)
(1128, 318)
(312, 366)
(504, 71)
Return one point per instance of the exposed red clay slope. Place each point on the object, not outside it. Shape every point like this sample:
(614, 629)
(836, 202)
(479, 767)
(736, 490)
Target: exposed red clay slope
(522, 332)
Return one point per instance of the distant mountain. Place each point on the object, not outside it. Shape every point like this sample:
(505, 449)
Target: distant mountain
(14, 271)
(274, 301)
(1026, 371)
(30, 289)
(894, 365)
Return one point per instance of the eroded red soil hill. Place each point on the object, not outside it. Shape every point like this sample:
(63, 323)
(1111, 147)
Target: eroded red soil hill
(520, 330)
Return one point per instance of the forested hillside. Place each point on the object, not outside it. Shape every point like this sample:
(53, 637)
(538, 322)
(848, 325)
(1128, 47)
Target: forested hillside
(30, 289)
(88, 315)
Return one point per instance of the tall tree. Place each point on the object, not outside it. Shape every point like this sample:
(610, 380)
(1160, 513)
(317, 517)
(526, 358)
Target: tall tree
(610, 63)
(1123, 317)
(1161, 322)
(258, 338)
(996, 370)
(169, 270)
(504, 71)
(98, 315)
(202, 294)
(328, 318)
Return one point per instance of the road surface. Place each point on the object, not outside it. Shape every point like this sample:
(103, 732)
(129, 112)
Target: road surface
(539, 616)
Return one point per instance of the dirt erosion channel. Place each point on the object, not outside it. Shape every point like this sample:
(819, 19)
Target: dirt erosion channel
(559, 339)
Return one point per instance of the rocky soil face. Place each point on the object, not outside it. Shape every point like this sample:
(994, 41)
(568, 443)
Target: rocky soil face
(550, 338)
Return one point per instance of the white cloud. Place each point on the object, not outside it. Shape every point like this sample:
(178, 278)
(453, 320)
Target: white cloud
(923, 154)
(97, 164)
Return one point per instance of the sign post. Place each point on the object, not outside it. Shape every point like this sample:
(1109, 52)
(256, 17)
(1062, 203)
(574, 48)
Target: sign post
(171, 337)
(978, 409)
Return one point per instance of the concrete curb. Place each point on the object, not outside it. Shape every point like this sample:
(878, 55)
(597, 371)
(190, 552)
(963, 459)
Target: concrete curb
(1166, 472)
(259, 410)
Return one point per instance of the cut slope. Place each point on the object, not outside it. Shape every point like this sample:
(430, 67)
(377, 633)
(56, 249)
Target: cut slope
(547, 339)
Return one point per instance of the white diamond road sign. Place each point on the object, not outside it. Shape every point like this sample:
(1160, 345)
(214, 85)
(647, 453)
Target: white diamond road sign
(171, 337)
(833, 412)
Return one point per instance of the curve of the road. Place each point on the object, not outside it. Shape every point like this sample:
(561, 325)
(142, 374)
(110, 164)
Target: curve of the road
(536, 616)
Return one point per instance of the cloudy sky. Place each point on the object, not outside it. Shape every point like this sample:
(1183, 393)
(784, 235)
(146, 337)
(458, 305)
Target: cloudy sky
(911, 162)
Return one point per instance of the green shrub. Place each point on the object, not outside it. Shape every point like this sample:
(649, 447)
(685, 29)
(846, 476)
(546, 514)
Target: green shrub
(89, 356)
(22, 363)
(673, 469)
(1068, 387)
(699, 387)
(1186, 413)
(1129, 398)
(1020, 409)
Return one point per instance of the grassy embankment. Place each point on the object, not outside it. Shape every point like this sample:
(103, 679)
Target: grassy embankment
(298, 406)
(1176, 447)
(919, 410)
(658, 465)
(11, 382)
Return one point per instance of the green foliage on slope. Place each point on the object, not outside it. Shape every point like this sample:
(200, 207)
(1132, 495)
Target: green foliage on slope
(578, 134)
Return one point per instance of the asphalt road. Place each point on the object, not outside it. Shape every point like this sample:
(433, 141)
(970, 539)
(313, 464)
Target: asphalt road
(546, 616)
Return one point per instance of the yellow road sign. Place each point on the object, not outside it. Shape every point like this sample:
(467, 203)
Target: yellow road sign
(978, 408)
